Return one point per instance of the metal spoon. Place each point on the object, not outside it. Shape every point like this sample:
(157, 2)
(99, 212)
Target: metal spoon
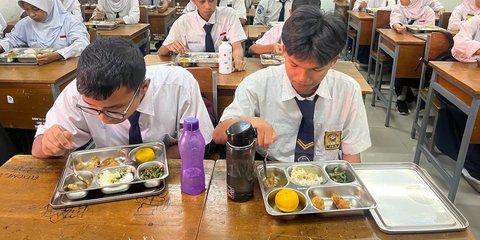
(75, 173)
(265, 166)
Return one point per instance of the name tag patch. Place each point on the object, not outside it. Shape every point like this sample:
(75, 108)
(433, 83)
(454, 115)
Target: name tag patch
(333, 140)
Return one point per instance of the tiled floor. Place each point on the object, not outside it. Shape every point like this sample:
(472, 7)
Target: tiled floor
(393, 144)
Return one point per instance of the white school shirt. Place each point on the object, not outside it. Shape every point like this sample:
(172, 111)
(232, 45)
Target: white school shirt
(73, 7)
(382, 4)
(238, 5)
(269, 11)
(427, 18)
(173, 95)
(188, 28)
(467, 40)
(459, 14)
(434, 4)
(268, 94)
(273, 35)
(73, 38)
(3, 25)
(130, 14)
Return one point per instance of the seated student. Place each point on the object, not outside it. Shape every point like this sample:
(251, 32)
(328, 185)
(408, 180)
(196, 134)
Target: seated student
(270, 42)
(408, 12)
(436, 6)
(203, 31)
(73, 7)
(48, 25)
(303, 110)
(115, 100)
(121, 11)
(463, 12)
(238, 5)
(161, 5)
(361, 5)
(7, 149)
(272, 11)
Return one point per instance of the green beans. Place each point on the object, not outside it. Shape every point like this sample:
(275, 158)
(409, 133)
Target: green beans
(151, 172)
(338, 175)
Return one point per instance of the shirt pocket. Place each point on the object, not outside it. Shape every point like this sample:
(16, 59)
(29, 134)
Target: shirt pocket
(284, 146)
(329, 141)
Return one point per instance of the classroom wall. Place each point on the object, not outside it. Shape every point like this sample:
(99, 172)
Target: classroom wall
(10, 10)
(448, 4)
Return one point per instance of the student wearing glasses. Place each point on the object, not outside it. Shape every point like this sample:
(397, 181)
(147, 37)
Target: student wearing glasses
(116, 100)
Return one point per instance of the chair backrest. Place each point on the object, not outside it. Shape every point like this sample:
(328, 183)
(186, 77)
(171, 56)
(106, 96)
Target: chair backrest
(93, 34)
(352, 3)
(207, 81)
(381, 19)
(143, 15)
(444, 19)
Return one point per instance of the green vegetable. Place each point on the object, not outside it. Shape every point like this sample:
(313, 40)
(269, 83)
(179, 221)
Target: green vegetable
(151, 172)
(338, 175)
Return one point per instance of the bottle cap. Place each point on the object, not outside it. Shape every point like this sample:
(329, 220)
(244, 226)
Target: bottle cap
(190, 124)
(241, 133)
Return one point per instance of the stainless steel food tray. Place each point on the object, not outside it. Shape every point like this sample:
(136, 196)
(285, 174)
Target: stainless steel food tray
(352, 190)
(269, 59)
(89, 165)
(408, 200)
(22, 55)
(102, 25)
(423, 28)
(198, 59)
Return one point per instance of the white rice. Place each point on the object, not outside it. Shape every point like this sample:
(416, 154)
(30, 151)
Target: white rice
(108, 178)
(303, 178)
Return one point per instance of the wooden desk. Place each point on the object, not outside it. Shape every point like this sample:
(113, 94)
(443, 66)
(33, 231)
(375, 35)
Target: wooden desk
(254, 32)
(362, 23)
(27, 186)
(28, 91)
(406, 50)
(342, 7)
(457, 82)
(251, 15)
(160, 23)
(225, 219)
(227, 84)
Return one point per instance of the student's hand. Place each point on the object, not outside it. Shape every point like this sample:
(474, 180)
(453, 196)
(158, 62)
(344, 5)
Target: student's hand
(362, 6)
(266, 135)
(177, 47)
(239, 65)
(56, 141)
(47, 57)
(400, 28)
(99, 15)
(277, 49)
(440, 12)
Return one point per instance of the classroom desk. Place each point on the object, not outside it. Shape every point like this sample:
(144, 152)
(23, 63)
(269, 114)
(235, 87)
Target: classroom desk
(254, 32)
(250, 15)
(406, 50)
(362, 23)
(28, 184)
(138, 33)
(225, 219)
(457, 82)
(28, 91)
(160, 23)
(227, 83)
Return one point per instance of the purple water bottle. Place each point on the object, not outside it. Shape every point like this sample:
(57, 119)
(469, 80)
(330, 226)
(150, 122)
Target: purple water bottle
(192, 148)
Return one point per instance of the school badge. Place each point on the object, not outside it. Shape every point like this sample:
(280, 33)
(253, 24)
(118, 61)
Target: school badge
(332, 140)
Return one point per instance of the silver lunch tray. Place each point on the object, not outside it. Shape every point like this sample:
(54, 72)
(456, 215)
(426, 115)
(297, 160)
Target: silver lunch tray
(199, 59)
(22, 55)
(423, 28)
(408, 201)
(269, 59)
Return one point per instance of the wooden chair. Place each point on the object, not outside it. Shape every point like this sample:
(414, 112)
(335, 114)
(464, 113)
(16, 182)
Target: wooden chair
(143, 15)
(207, 81)
(93, 34)
(381, 19)
(444, 19)
(436, 44)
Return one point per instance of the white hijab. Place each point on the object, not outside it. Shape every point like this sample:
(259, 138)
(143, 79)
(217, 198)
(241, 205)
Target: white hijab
(414, 10)
(470, 7)
(70, 4)
(117, 5)
(47, 31)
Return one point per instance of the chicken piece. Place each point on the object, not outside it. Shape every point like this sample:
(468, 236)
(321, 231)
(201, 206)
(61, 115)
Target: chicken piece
(318, 203)
(339, 202)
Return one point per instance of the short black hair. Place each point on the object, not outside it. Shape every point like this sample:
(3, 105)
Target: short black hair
(309, 33)
(107, 64)
(313, 3)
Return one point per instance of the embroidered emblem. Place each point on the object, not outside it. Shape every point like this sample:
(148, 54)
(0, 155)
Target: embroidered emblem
(332, 140)
(303, 145)
(260, 10)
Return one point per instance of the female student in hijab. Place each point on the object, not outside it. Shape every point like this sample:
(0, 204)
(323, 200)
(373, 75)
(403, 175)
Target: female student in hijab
(121, 11)
(73, 6)
(406, 13)
(48, 25)
(466, 47)
(361, 5)
(463, 12)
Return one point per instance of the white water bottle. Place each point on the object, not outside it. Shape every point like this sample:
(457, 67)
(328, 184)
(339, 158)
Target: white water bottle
(225, 65)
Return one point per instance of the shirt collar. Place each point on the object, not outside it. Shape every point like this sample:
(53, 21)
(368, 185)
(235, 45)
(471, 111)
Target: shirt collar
(288, 92)
(146, 106)
(202, 21)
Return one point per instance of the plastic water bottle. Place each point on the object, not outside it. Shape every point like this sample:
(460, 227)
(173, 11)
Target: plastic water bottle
(192, 148)
(225, 65)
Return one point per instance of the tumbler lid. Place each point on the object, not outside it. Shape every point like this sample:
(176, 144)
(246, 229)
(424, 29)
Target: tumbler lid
(241, 133)
(190, 124)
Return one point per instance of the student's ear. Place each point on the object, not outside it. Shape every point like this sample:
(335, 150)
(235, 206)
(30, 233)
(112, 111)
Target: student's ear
(145, 85)
(334, 60)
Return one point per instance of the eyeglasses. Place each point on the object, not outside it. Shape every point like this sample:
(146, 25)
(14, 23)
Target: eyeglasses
(110, 114)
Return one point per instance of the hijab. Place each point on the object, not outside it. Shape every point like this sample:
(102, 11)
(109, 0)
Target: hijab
(70, 4)
(46, 32)
(117, 5)
(414, 10)
(470, 6)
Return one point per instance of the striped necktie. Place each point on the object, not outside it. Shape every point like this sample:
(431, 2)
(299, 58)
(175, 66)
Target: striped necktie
(304, 149)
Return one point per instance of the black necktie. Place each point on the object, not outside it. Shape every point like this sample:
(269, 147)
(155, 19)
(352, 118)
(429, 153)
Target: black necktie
(209, 47)
(281, 18)
(305, 138)
(134, 134)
